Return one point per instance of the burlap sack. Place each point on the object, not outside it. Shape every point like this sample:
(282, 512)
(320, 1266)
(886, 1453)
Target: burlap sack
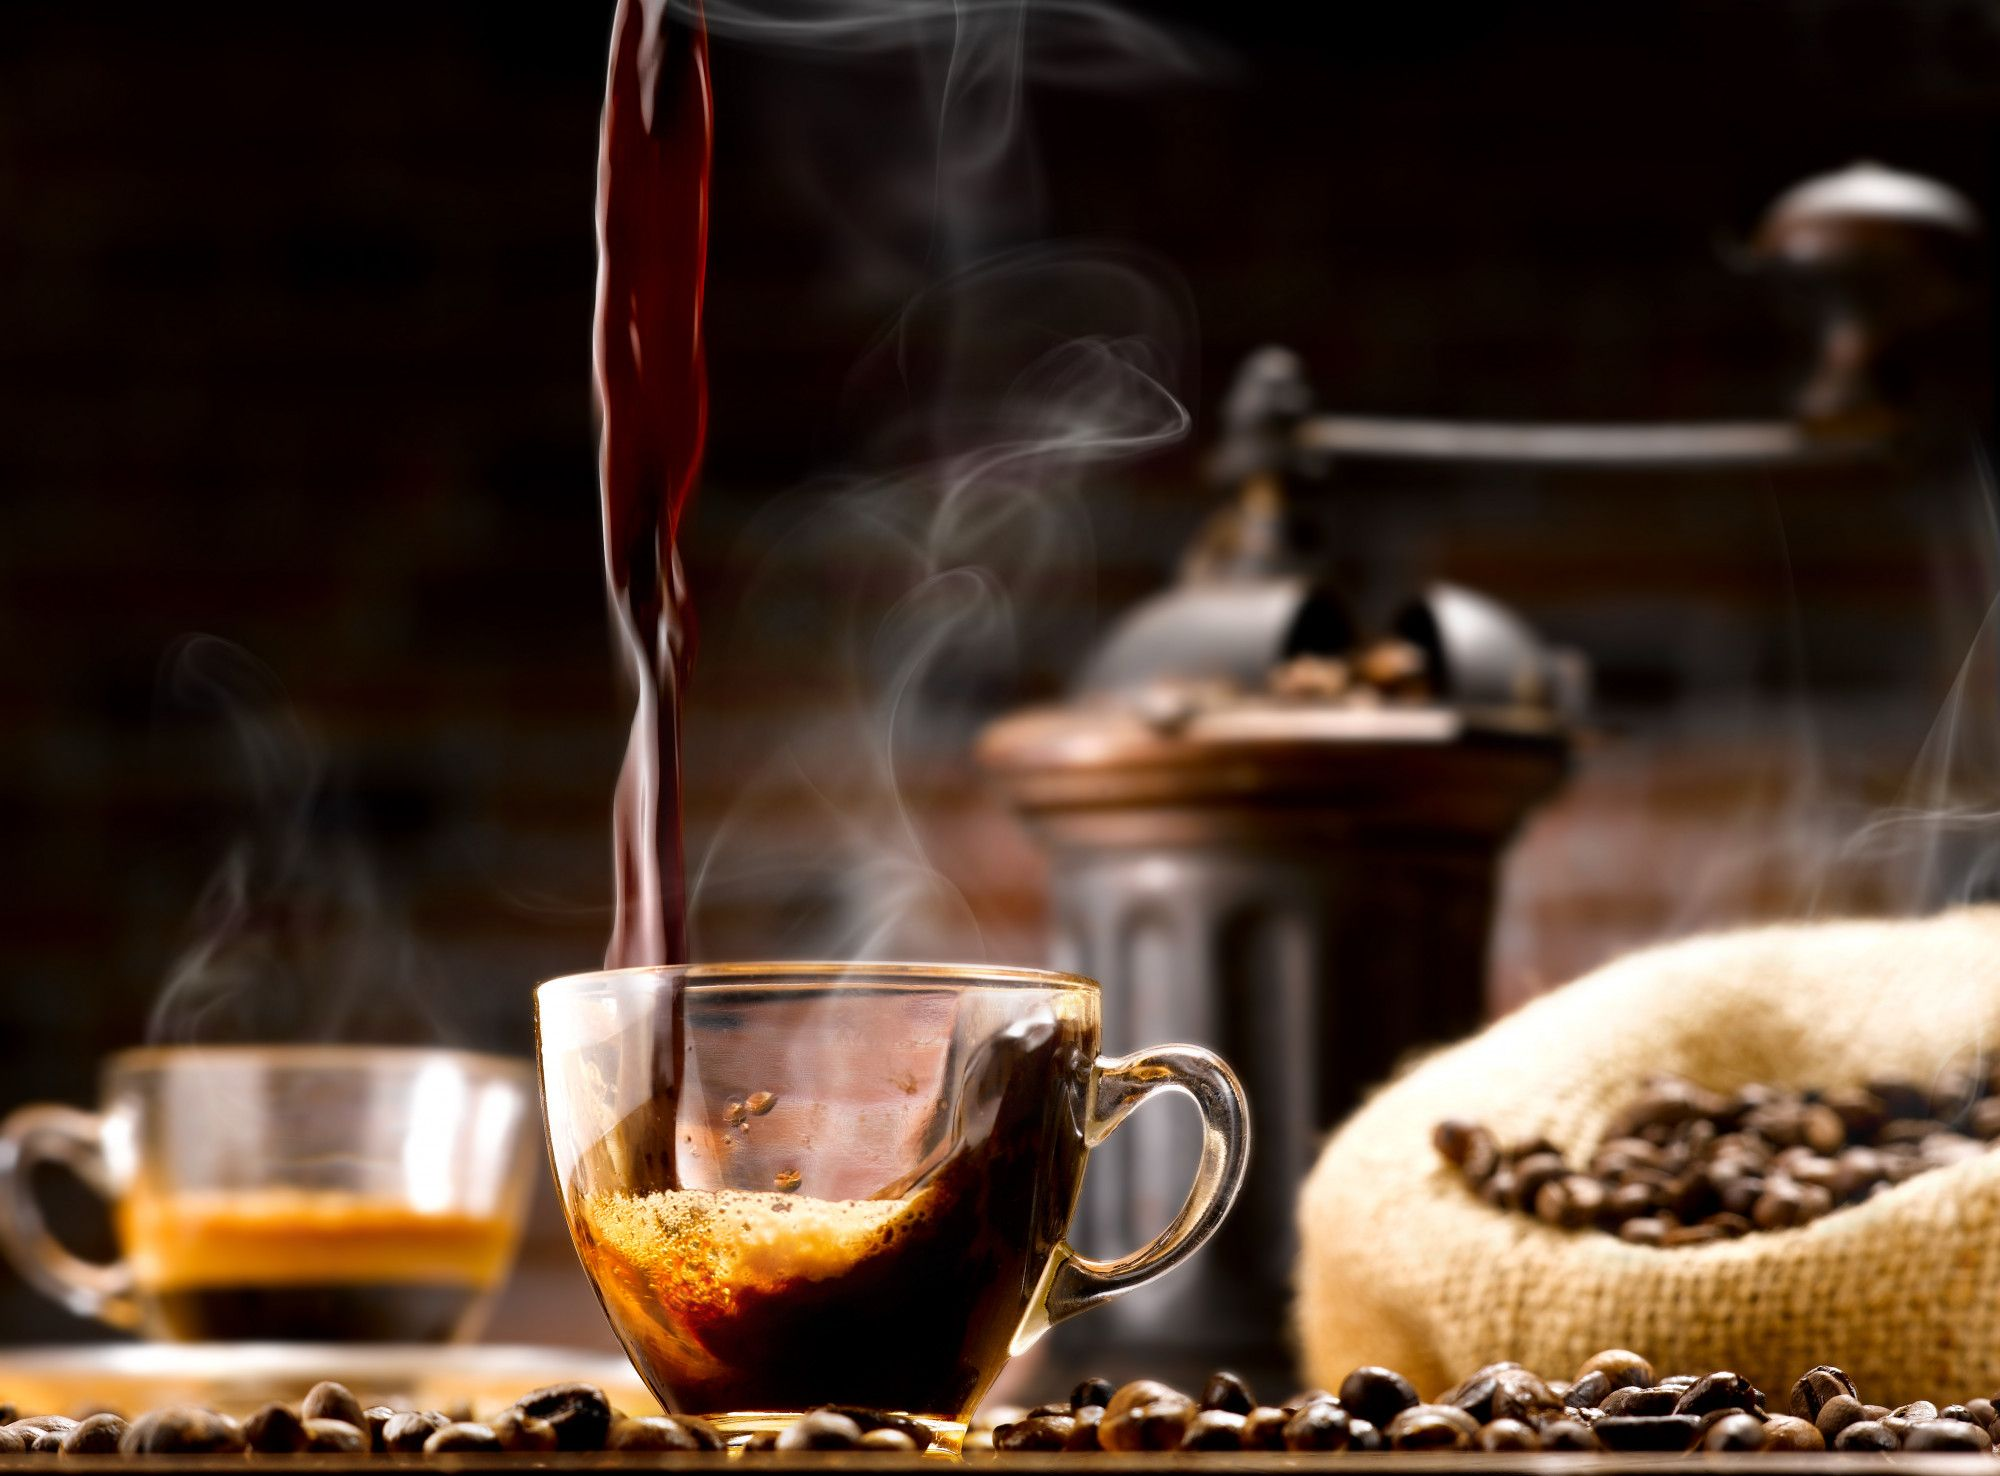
(1402, 1264)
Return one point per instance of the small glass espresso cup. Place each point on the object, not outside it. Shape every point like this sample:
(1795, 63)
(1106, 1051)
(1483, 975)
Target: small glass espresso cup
(285, 1193)
(801, 1184)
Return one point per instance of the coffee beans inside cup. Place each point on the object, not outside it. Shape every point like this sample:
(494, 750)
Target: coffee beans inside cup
(1683, 1165)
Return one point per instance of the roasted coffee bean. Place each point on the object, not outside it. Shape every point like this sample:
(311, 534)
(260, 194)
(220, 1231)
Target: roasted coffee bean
(1475, 1396)
(1639, 1403)
(1982, 1410)
(183, 1430)
(1959, 1412)
(1160, 1425)
(1646, 1230)
(43, 1434)
(525, 1432)
(1214, 1429)
(1092, 1391)
(1522, 1395)
(1580, 1205)
(1432, 1427)
(1138, 1392)
(1675, 1236)
(877, 1419)
(97, 1435)
(1053, 1407)
(1589, 1391)
(375, 1420)
(580, 1413)
(1320, 1425)
(1836, 1414)
(824, 1429)
(11, 1440)
(1535, 1173)
(1815, 1387)
(1647, 1432)
(275, 1429)
(1866, 1435)
(1453, 1140)
(1505, 1434)
(888, 1438)
(1083, 1429)
(1264, 1428)
(1567, 1435)
(1306, 1396)
(1916, 1411)
(1624, 1368)
(335, 1437)
(1423, 1427)
(1376, 1394)
(1735, 1430)
(462, 1435)
(1948, 1435)
(330, 1401)
(1047, 1432)
(407, 1430)
(1721, 1390)
(1789, 1432)
(1630, 1201)
(1225, 1391)
(762, 1442)
(1364, 1435)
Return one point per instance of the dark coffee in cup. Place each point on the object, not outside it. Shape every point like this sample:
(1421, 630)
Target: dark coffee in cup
(731, 1298)
(805, 1184)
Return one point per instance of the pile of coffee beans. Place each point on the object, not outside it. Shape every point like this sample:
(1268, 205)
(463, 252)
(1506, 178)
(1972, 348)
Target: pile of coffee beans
(1683, 1165)
(1615, 1402)
(331, 1420)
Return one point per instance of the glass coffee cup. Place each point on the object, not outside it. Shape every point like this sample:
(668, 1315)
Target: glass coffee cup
(317, 1193)
(803, 1184)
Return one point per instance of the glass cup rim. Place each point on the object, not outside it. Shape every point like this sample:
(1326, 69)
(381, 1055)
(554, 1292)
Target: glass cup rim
(810, 974)
(314, 1056)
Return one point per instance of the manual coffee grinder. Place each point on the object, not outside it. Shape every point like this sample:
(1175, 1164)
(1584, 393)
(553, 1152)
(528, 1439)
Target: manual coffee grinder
(1276, 802)
(1274, 832)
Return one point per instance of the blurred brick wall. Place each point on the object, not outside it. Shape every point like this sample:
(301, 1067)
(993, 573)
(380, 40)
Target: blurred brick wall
(294, 307)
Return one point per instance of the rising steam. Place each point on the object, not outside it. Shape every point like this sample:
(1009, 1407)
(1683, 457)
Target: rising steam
(292, 939)
(1013, 375)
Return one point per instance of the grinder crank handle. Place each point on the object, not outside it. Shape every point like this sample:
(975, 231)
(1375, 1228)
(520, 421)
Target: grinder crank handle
(1077, 1282)
(74, 1139)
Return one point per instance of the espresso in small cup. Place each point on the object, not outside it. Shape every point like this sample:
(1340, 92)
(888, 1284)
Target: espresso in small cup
(804, 1184)
(316, 1266)
(286, 1193)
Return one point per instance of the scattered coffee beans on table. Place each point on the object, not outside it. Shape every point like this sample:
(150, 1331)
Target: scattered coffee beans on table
(1615, 1403)
(331, 1421)
(1683, 1165)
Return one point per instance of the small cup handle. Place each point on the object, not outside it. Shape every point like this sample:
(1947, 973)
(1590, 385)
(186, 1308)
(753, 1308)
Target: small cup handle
(1077, 1282)
(74, 1139)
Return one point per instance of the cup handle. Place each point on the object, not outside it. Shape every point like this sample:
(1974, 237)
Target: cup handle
(74, 1139)
(1077, 1282)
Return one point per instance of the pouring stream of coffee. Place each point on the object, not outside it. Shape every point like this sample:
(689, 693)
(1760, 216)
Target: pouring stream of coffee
(652, 404)
(652, 401)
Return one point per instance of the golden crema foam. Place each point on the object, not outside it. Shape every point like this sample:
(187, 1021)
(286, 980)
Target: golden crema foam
(275, 1237)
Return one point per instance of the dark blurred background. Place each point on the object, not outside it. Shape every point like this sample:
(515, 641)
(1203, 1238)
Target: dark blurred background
(294, 349)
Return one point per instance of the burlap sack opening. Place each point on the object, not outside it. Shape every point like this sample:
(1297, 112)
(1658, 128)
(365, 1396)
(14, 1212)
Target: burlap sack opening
(1402, 1264)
